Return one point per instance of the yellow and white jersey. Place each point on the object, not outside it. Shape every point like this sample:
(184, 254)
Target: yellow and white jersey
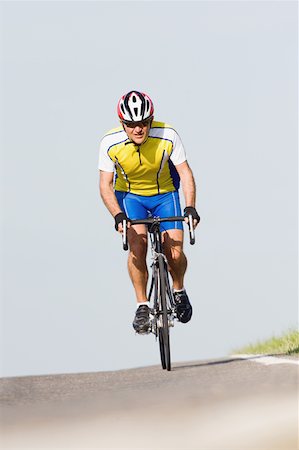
(146, 169)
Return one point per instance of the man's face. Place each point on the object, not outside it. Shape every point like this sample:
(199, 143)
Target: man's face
(138, 131)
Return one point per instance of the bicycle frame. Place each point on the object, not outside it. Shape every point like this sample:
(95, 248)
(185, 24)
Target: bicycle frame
(160, 293)
(157, 250)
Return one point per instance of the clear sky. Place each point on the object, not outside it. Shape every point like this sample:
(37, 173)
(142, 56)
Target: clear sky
(224, 74)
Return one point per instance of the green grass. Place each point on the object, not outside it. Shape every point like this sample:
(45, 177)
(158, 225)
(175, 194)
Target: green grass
(287, 343)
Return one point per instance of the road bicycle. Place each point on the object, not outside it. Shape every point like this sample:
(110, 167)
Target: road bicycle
(160, 296)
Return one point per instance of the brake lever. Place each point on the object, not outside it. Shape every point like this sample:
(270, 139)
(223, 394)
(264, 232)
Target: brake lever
(191, 229)
(124, 235)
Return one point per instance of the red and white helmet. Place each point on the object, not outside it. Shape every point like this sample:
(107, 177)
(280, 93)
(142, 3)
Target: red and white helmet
(134, 107)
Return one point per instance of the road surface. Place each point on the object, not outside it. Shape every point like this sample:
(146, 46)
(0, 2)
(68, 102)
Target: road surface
(225, 404)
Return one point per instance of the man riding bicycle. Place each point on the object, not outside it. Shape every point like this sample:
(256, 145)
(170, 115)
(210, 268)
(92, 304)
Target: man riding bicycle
(141, 165)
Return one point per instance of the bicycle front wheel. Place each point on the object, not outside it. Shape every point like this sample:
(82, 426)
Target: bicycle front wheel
(163, 330)
(162, 349)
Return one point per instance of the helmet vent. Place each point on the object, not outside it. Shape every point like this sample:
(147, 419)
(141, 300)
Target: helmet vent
(134, 99)
(136, 111)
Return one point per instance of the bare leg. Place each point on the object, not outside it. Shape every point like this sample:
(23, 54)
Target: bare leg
(173, 248)
(137, 237)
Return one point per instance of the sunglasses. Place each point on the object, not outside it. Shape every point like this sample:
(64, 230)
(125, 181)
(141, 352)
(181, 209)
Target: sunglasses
(142, 123)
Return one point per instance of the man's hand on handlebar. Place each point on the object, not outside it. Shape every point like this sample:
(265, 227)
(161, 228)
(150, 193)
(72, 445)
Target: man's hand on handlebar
(190, 211)
(122, 222)
(119, 218)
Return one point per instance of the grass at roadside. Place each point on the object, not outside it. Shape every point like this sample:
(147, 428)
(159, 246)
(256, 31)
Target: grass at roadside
(287, 343)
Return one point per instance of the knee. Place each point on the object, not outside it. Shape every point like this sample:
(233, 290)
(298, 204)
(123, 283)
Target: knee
(138, 251)
(138, 246)
(173, 246)
(175, 255)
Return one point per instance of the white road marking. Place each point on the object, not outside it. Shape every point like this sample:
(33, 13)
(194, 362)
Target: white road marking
(267, 360)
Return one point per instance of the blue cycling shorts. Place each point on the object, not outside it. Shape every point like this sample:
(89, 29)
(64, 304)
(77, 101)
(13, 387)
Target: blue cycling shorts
(160, 205)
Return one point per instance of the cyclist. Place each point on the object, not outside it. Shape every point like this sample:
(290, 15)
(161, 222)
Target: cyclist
(141, 164)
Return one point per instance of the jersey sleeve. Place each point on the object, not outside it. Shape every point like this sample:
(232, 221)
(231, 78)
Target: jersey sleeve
(178, 154)
(105, 162)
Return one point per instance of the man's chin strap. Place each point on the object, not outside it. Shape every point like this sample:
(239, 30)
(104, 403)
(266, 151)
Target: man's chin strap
(135, 143)
(130, 140)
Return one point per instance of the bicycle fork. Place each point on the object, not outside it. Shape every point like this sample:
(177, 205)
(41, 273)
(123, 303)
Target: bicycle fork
(156, 319)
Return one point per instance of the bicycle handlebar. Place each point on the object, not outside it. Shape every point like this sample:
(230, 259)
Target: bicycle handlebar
(156, 220)
(152, 220)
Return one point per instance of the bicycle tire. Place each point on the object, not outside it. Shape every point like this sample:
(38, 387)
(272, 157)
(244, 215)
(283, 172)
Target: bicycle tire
(164, 330)
(161, 346)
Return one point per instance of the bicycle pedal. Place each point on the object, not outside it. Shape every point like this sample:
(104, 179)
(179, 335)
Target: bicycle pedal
(143, 333)
(171, 322)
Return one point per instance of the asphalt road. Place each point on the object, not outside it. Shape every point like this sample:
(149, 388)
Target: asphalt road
(225, 404)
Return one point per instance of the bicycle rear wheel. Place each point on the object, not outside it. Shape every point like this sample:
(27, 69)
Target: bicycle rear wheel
(164, 341)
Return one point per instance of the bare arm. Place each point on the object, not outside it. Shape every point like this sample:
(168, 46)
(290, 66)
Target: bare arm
(107, 192)
(188, 183)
